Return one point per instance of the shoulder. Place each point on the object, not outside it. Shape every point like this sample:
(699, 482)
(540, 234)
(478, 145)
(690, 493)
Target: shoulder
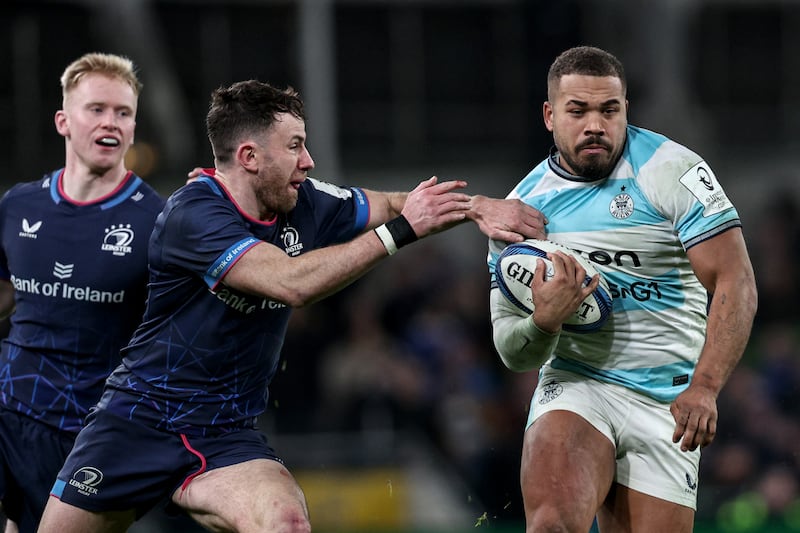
(28, 192)
(145, 195)
(654, 155)
(315, 186)
(198, 200)
(529, 182)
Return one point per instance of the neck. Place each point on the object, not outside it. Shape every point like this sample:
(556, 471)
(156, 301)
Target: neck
(243, 196)
(86, 186)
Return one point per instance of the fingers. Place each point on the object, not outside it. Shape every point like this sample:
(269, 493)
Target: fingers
(695, 427)
(440, 187)
(196, 171)
(433, 206)
(570, 268)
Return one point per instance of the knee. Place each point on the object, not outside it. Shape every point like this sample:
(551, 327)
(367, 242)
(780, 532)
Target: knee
(554, 520)
(293, 520)
(283, 518)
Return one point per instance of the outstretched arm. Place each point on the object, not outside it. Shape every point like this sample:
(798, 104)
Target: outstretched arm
(508, 220)
(267, 271)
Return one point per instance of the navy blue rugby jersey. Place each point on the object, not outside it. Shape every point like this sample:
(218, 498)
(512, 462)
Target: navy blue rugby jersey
(79, 271)
(204, 355)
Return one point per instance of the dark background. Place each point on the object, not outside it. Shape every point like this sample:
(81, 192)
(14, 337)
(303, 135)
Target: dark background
(398, 371)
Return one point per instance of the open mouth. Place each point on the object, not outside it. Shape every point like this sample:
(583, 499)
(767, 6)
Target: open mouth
(108, 141)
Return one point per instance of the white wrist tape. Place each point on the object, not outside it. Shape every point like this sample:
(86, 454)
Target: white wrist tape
(386, 238)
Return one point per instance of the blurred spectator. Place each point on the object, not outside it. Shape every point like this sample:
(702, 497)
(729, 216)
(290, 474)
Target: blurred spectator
(775, 249)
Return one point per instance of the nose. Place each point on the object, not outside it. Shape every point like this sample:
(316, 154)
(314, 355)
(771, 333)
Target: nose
(109, 119)
(305, 162)
(595, 124)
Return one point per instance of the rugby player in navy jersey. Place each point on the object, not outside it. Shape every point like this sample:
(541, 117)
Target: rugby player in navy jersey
(232, 253)
(73, 271)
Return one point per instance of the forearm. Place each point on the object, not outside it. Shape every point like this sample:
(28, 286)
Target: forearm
(267, 271)
(521, 345)
(384, 206)
(730, 320)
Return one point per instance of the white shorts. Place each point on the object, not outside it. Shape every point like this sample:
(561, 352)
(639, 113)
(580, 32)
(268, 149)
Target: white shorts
(639, 427)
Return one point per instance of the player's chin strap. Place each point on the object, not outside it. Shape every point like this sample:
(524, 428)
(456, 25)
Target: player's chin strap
(395, 234)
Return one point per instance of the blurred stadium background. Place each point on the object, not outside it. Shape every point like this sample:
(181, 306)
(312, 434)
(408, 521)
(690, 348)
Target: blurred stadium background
(391, 406)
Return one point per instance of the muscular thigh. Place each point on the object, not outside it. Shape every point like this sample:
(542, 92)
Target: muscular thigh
(569, 452)
(242, 487)
(239, 496)
(566, 459)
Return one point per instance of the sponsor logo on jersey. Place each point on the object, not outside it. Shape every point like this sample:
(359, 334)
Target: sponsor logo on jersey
(29, 230)
(244, 303)
(58, 289)
(291, 241)
(620, 258)
(138, 196)
(86, 479)
(118, 239)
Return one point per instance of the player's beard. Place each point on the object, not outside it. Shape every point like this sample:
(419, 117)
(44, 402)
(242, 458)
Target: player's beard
(274, 194)
(592, 167)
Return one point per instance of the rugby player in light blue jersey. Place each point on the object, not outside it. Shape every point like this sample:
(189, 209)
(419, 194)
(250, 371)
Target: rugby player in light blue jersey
(619, 415)
(73, 270)
(231, 254)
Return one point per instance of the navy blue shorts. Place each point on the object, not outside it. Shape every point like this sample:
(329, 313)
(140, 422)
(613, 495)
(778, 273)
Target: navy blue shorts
(118, 464)
(31, 453)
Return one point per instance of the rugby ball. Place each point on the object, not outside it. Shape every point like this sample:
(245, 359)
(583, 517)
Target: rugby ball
(514, 273)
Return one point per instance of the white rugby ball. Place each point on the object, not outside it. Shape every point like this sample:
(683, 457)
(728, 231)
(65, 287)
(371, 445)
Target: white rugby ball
(514, 273)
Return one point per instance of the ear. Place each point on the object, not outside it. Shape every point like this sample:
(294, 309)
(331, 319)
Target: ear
(246, 156)
(60, 120)
(547, 115)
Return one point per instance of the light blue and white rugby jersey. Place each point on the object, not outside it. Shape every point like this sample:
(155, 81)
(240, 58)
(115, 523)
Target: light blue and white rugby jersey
(635, 226)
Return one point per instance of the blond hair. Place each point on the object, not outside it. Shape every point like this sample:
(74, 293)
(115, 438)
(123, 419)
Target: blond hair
(111, 65)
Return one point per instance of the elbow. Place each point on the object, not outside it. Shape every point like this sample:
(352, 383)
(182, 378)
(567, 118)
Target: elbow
(751, 299)
(296, 299)
(519, 358)
(521, 362)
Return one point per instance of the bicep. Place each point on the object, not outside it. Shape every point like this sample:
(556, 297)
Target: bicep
(260, 270)
(722, 259)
